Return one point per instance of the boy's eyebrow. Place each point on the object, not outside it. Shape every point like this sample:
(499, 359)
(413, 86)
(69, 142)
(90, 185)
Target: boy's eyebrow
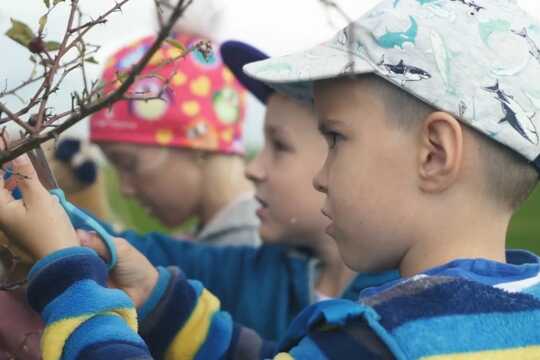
(270, 129)
(326, 123)
(273, 130)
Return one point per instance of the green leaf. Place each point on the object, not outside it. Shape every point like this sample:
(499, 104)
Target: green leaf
(91, 60)
(52, 45)
(42, 23)
(47, 3)
(20, 32)
(56, 2)
(176, 44)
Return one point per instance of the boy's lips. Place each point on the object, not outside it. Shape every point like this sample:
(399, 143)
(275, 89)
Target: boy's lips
(261, 202)
(326, 213)
(261, 212)
(330, 229)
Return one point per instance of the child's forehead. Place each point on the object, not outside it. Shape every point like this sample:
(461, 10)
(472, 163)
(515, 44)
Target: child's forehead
(346, 87)
(357, 94)
(282, 110)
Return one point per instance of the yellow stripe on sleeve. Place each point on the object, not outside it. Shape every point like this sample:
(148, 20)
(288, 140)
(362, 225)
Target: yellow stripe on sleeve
(283, 356)
(130, 317)
(524, 353)
(189, 340)
(55, 335)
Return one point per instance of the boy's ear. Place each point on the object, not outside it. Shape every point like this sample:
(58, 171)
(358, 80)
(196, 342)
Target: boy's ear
(440, 152)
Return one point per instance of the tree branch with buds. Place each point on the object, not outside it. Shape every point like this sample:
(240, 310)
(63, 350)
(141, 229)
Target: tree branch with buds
(36, 120)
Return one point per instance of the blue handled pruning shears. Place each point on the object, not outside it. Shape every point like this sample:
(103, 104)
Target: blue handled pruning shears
(79, 218)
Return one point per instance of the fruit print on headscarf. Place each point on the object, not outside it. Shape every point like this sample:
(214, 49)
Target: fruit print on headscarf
(227, 105)
(213, 61)
(201, 134)
(154, 109)
(202, 106)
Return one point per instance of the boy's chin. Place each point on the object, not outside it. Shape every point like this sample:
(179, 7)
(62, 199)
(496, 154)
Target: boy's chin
(365, 264)
(269, 235)
(274, 235)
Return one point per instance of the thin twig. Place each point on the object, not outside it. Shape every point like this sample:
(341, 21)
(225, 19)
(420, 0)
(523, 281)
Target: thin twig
(56, 64)
(159, 12)
(24, 84)
(16, 119)
(23, 145)
(350, 30)
(335, 6)
(81, 34)
(88, 24)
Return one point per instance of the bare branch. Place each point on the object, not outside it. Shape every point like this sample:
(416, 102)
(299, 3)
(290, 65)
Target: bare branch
(35, 139)
(84, 31)
(332, 4)
(56, 64)
(87, 25)
(24, 84)
(16, 119)
(159, 12)
(350, 33)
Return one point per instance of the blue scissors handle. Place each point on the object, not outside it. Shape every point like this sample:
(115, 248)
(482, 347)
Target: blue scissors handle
(81, 220)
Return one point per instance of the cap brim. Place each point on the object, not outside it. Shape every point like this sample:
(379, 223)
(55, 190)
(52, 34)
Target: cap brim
(235, 55)
(294, 74)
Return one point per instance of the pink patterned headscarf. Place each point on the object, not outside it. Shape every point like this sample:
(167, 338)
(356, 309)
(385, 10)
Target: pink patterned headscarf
(203, 107)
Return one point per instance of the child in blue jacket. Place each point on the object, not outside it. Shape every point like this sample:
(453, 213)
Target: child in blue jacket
(429, 154)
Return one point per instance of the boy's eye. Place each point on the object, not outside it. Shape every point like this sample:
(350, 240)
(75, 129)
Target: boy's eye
(332, 138)
(127, 166)
(279, 145)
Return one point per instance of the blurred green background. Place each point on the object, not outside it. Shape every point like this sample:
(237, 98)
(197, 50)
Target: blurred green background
(525, 227)
(524, 231)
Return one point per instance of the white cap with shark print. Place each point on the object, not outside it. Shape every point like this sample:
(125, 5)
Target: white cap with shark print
(476, 59)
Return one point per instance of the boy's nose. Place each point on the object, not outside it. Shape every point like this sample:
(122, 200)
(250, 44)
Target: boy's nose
(255, 171)
(319, 181)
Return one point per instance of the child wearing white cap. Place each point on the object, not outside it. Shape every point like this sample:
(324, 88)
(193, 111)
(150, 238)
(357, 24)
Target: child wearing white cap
(429, 109)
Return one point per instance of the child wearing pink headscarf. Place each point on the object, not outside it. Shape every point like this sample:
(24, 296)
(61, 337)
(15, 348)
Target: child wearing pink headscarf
(180, 154)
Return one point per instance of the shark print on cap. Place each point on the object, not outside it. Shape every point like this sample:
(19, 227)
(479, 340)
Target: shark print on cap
(475, 8)
(515, 115)
(533, 48)
(403, 72)
(398, 39)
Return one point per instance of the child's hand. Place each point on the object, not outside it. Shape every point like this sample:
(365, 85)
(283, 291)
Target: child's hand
(37, 223)
(133, 273)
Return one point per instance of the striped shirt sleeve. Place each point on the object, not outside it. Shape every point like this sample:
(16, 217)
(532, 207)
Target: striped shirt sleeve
(181, 320)
(188, 324)
(83, 318)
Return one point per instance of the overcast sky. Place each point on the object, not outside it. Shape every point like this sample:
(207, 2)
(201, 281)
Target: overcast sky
(277, 27)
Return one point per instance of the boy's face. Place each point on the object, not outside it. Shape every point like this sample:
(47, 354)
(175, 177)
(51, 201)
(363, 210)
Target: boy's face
(283, 172)
(166, 182)
(367, 177)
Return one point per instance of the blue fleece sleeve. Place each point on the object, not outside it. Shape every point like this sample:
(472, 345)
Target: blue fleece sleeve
(83, 318)
(187, 323)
